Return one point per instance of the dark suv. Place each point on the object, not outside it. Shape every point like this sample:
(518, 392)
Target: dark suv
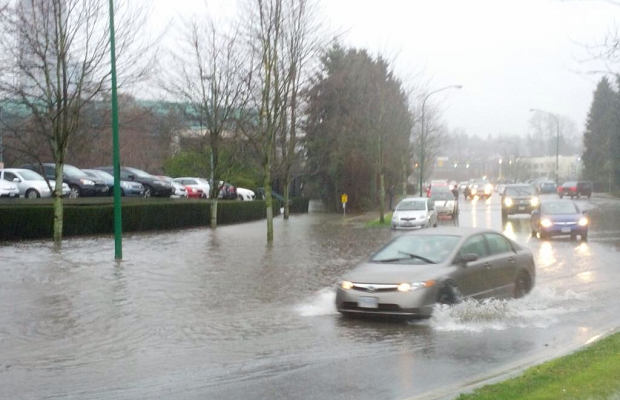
(519, 199)
(80, 183)
(153, 186)
(575, 189)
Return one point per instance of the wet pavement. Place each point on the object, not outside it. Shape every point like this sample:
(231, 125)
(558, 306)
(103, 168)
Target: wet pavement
(202, 314)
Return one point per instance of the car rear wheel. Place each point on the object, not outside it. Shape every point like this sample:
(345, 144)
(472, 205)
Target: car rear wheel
(523, 285)
(32, 194)
(449, 295)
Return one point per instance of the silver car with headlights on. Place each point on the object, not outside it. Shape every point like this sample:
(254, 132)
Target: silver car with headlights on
(414, 212)
(413, 272)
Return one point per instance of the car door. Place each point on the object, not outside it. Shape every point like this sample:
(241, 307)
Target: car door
(472, 280)
(503, 261)
(10, 176)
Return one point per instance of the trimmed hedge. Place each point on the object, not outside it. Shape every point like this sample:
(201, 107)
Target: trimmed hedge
(19, 222)
(299, 205)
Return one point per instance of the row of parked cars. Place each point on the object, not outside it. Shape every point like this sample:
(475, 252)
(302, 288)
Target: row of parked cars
(38, 180)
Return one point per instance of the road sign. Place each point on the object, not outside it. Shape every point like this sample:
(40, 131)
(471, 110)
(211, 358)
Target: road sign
(344, 199)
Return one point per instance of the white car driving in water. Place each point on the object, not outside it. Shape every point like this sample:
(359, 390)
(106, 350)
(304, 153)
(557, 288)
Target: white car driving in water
(414, 212)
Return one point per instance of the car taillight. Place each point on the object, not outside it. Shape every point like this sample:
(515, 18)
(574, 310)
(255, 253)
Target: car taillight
(573, 189)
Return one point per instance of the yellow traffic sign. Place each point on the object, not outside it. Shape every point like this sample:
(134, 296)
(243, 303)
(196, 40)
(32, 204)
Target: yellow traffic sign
(344, 198)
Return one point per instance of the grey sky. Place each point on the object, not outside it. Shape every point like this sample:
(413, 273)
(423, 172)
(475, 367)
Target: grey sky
(510, 56)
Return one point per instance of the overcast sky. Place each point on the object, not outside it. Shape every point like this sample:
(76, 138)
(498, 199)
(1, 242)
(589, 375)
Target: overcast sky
(509, 56)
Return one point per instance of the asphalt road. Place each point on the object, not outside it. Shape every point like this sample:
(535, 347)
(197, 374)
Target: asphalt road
(201, 314)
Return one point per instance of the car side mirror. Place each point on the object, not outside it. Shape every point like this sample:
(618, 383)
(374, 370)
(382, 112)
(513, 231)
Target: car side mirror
(467, 258)
(131, 176)
(17, 180)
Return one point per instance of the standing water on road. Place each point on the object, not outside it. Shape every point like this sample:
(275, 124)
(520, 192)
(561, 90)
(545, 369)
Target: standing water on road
(221, 314)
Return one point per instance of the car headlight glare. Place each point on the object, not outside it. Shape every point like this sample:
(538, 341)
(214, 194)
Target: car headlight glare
(87, 182)
(488, 189)
(546, 223)
(508, 202)
(407, 287)
(346, 285)
(583, 221)
(535, 201)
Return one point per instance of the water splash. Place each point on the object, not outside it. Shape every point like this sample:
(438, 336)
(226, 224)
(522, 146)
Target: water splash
(540, 309)
(321, 303)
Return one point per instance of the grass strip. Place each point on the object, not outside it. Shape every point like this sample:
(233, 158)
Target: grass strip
(592, 373)
(387, 223)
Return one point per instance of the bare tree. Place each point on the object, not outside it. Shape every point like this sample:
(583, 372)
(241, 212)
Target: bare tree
(57, 58)
(213, 77)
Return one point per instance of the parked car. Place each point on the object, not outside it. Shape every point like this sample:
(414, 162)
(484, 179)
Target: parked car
(128, 188)
(555, 218)
(8, 189)
(180, 192)
(29, 183)
(227, 191)
(414, 212)
(519, 199)
(80, 183)
(201, 187)
(545, 186)
(153, 186)
(445, 203)
(245, 194)
(575, 189)
(413, 272)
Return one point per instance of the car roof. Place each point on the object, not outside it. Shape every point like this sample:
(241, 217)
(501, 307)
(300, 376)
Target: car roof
(453, 230)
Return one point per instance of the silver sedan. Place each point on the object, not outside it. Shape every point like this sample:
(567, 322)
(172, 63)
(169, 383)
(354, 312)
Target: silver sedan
(413, 272)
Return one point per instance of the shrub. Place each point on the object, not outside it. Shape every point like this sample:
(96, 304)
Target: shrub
(19, 222)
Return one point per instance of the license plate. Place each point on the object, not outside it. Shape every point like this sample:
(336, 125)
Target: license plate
(408, 223)
(566, 230)
(368, 302)
(521, 208)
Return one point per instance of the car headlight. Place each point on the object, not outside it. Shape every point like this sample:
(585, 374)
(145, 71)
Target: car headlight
(395, 218)
(87, 182)
(546, 223)
(488, 188)
(534, 201)
(508, 202)
(583, 221)
(346, 285)
(407, 287)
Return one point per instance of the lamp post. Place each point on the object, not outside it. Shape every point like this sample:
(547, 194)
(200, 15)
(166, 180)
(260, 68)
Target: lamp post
(557, 142)
(423, 133)
(118, 222)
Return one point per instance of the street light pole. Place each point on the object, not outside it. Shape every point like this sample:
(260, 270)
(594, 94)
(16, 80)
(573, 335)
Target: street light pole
(557, 142)
(423, 132)
(118, 219)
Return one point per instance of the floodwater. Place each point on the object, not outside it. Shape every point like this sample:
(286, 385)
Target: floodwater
(202, 314)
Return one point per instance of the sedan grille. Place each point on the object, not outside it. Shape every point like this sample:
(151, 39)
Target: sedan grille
(374, 288)
(349, 305)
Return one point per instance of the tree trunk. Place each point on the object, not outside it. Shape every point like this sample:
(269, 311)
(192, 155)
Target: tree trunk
(287, 184)
(382, 197)
(268, 200)
(214, 213)
(58, 204)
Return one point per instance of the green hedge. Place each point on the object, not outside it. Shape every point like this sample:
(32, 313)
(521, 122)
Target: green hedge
(19, 222)
(299, 205)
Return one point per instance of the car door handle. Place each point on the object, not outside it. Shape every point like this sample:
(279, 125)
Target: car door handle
(487, 265)
(511, 260)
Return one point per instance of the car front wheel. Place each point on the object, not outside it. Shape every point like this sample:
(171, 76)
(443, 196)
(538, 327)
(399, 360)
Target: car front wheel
(32, 194)
(147, 192)
(449, 295)
(523, 285)
(75, 192)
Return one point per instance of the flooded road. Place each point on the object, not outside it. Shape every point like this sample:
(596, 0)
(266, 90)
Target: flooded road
(202, 314)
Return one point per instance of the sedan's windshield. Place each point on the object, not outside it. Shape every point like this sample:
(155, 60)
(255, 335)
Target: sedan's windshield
(558, 208)
(442, 196)
(411, 205)
(520, 191)
(71, 171)
(30, 175)
(417, 249)
(569, 184)
(139, 173)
